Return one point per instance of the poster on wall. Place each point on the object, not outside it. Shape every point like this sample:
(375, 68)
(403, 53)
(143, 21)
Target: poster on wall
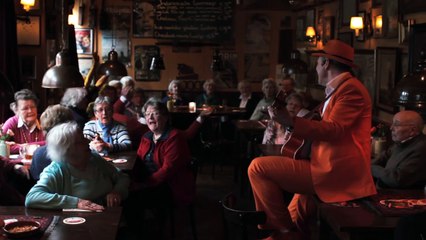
(227, 78)
(143, 18)
(143, 57)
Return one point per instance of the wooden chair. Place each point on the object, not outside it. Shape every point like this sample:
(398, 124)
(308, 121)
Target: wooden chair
(243, 221)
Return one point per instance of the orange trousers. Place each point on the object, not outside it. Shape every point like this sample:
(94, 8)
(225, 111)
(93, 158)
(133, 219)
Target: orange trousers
(269, 177)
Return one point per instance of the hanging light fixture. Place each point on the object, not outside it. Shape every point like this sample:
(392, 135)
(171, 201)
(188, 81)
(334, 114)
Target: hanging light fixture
(64, 74)
(217, 63)
(157, 63)
(113, 68)
(27, 4)
(410, 92)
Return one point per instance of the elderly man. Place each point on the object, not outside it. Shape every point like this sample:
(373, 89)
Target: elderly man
(340, 154)
(403, 165)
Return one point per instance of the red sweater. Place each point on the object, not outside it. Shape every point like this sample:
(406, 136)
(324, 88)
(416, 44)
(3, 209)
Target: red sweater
(172, 156)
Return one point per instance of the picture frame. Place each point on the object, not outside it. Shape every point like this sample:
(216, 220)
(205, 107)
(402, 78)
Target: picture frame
(84, 65)
(143, 56)
(404, 29)
(84, 40)
(310, 18)
(361, 35)
(347, 37)
(390, 18)
(347, 9)
(143, 19)
(28, 33)
(300, 29)
(411, 6)
(364, 59)
(328, 29)
(28, 66)
(387, 74)
(416, 44)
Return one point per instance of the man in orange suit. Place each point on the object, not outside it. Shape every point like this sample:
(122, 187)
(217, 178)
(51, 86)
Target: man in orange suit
(339, 168)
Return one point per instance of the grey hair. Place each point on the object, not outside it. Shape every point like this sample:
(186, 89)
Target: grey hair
(127, 80)
(26, 94)
(100, 100)
(209, 81)
(73, 96)
(174, 81)
(267, 81)
(60, 139)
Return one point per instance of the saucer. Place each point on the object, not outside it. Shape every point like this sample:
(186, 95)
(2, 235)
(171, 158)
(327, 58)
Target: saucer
(120, 160)
(74, 220)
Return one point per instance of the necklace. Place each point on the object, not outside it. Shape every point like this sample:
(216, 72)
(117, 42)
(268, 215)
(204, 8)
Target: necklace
(29, 134)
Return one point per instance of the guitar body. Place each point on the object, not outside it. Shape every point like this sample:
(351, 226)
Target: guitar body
(296, 148)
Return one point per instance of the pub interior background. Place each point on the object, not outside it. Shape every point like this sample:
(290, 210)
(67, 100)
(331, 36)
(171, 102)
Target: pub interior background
(254, 39)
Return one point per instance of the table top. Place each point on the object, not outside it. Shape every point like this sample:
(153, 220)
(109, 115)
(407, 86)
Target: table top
(130, 156)
(103, 225)
(218, 110)
(250, 125)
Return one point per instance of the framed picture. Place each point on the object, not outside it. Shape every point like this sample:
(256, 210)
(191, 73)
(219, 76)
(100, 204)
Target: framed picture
(411, 6)
(84, 64)
(320, 17)
(404, 29)
(84, 40)
(416, 44)
(143, 57)
(386, 71)
(348, 8)
(300, 29)
(328, 29)
(28, 33)
(390, 18)
(346, 37)
(361, 35)
(28, 66)
(310, 18)
(143, 19)
(365, 60)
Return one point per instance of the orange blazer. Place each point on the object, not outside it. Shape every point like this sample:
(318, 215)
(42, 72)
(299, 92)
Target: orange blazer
(340, 154)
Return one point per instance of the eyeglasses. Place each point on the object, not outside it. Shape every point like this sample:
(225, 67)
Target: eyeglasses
(106, 110)
(155, 114)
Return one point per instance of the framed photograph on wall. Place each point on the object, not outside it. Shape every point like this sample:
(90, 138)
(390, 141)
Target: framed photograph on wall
(387, 74)
(365, 60)
(390, 18)
(28, 33)
(84, 40)
(143, 19)
(84, 64)
(143, 58)
(361, 35)
(328, 29)
(411, 6)
(347, 9)
(300, 29)
(416, 45)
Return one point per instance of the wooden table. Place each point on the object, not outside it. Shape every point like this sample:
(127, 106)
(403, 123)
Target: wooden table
(130, 156)
(102, 225)
(363, 223)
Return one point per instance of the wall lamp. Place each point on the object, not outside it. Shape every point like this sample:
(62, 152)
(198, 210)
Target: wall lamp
(378, 24)
(357, 23)
(27, 4)
(311, 35)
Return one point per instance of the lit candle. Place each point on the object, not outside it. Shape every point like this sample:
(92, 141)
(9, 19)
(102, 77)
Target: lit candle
(192, 107)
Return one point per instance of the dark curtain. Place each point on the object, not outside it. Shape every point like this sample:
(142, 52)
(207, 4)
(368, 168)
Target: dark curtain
(9, 68)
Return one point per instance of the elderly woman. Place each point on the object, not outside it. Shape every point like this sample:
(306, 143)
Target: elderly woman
(275, 133)
(269, 89)
(246, 99)
(76, 178)
(76, 100)
(24, 125)
(209, 97)
(163, 157)
(105, 134)
(52, 116)
(174, 93)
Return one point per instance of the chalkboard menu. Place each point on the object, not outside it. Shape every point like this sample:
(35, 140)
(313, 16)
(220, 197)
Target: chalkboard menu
(194, 20)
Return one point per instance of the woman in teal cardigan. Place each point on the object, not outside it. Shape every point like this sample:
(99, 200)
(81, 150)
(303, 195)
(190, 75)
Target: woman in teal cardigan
(76, 178)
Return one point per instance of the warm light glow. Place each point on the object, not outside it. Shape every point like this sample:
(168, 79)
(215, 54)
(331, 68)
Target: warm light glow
(192, 107)
(72, 19)
(379, 21)
(310, 32)
(357, 24)
(27, 4)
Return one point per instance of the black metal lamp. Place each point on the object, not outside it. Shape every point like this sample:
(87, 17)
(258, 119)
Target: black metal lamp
(65, 73)
(217, 63)
(410, 92)
(157, 63)
(113, 68)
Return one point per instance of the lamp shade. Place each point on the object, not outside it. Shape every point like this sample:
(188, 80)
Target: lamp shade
(411, 89)
(157, 63)
(356, 23)
(27, 4)
(63, 75)
(310, 32)
(112, 68)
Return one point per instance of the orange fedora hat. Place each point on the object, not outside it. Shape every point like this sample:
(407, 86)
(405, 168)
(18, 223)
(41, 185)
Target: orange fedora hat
(339, 51)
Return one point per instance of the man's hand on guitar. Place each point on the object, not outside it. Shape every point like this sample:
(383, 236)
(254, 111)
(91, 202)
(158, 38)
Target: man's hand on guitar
(280, 115)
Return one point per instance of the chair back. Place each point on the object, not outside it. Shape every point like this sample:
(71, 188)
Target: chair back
(240, 220)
